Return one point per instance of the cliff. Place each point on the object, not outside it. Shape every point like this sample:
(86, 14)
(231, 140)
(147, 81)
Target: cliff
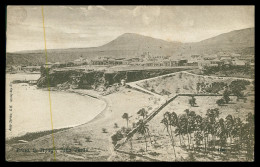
(97, 80)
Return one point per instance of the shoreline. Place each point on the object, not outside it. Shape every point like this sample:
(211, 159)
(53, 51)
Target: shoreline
(21, 137)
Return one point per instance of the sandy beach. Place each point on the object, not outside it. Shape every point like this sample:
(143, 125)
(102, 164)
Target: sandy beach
(100, 147)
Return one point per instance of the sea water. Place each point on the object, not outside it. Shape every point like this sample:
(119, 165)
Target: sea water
(29, 109)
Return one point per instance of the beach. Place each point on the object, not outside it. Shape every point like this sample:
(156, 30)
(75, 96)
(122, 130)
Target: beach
(30, 107)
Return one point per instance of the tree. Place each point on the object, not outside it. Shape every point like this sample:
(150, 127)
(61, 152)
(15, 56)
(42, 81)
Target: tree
(104, 130)
(174, 121)
(115, 125)
(142, 112)
(182, 128)
(212, 115)
(198, 130)
(143, 130)
(238, 86)
(220, 102)
(116, 137)
(166, 121)
(192, 101)
(222, 133)
(226, 96)
(229, 127)
(126, 117)
(237, 132)
(248, 136)
(190, 124)
(206, 131)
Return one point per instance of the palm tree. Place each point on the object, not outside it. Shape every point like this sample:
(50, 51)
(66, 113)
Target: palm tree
(190, 116)
(183, 122)
(248, 135)
(143, 130)
(142, 112)
(192, 101)
(237, 132)
(126, 117)
(229, 126)
(226, 96)
(198, 130)
(174, 121)
(206, 130)
(222, 133)
(167, 121)
(212, 115)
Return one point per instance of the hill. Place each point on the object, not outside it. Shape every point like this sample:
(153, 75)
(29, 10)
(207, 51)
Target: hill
(133, 45)
(238, 41)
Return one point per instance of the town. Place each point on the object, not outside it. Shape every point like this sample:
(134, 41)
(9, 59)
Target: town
(147, 60)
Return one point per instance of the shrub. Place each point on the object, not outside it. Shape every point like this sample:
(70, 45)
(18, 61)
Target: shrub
(141, 150)
(226, 96)
(132, 156)
(116, 137)
(104, 130)
(220, 102)
(192, 101)
(88, 139)
(165, 92)
(154, 153)
(115, 125)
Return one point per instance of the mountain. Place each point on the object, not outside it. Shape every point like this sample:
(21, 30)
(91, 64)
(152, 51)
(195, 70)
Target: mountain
(238, 41)
(131, 41)
(244, 37)
(133, 45)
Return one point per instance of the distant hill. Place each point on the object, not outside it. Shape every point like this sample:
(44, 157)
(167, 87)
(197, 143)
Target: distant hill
(140, 43)
(238, 41)
(133, 45)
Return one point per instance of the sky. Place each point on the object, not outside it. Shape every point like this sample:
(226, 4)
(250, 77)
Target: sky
(91, 26)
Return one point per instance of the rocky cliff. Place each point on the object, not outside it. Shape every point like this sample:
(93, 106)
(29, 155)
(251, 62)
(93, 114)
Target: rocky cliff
(97, 79)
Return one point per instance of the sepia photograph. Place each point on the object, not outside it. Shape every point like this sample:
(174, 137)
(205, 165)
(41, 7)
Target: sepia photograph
(130, 83)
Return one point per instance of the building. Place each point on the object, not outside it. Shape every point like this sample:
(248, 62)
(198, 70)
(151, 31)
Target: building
(247, 58)
(210, 57)
(79, 61)
(31, 68)
(166, 63)
(182, 62)
(174, 63)
(48, 65)
(216, 62)
(192, 63)
(204, 63)
(237, 62)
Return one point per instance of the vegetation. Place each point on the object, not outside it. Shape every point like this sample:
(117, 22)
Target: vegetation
(211, 134)
(220, 102)
(115, 125)
(230, 70)
(33, 135)
(238, 86)
(88, 139)
(226, 96)
(169, 120)
(215, 87)
(126, 117)
(192, 101)
(144, 130)
(117, 136)
(104, 130)
(142, 112)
